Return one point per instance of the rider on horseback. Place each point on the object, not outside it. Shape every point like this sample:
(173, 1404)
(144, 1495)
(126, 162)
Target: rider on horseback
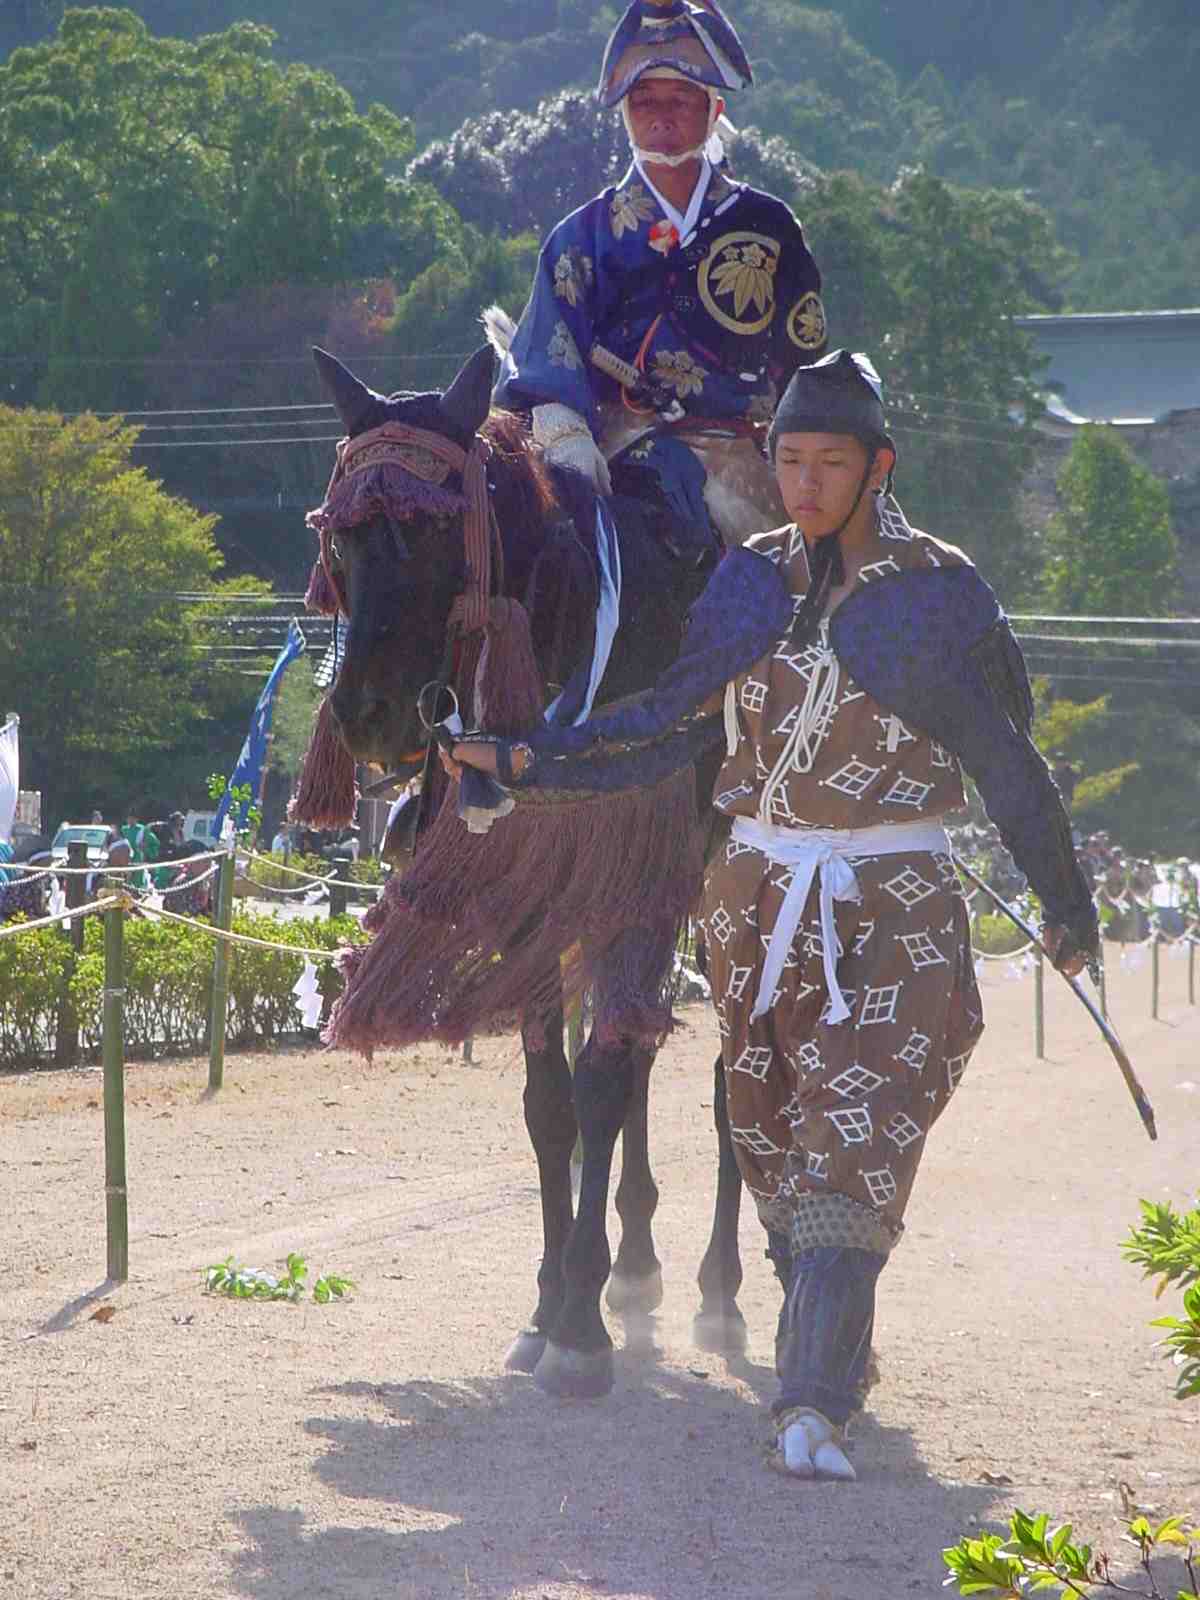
(673, 309)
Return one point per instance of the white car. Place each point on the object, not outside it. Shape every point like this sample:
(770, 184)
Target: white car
(200, 827)
(97, 836)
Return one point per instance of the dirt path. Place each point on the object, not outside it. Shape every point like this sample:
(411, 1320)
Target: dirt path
(197, 1447)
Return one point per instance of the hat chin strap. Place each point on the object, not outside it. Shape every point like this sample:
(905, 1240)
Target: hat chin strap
(713, 147)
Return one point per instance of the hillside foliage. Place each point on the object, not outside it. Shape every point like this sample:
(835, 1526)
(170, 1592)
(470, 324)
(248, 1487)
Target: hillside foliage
(192, 195)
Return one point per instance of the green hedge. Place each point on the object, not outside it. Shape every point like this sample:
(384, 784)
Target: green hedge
(368, 871)
(993, 934)
(168, 984)
(32, 971)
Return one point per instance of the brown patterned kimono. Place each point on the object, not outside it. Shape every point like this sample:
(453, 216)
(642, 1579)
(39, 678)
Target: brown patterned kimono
(819, 1108)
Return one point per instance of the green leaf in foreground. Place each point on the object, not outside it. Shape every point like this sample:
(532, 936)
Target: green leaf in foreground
(253, 1283)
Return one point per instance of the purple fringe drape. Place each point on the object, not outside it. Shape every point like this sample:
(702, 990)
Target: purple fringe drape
(481, 930)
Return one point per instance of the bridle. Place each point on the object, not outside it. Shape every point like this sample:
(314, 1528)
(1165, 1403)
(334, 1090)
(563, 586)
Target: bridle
(427, 458)
(408, 468)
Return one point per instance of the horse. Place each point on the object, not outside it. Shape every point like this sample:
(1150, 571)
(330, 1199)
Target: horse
(406, 588)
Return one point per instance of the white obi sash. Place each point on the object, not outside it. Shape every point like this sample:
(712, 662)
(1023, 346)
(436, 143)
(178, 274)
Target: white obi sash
(808, 852)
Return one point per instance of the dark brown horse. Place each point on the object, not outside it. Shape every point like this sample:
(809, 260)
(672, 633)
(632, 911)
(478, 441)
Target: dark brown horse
(400, 579)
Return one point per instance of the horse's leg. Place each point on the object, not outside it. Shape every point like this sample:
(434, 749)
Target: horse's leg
(550, 1119)
(636, 1281)
(578, 1358)
(719, 1326)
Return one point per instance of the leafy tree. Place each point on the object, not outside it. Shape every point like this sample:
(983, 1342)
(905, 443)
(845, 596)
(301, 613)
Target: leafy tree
(926, 278)
(1111, 549)
(516, 171)
(292, 723)
(437, 318)
(258, 469)
(1060, 728)
(1112, 553)
(107, 668)
(148, 179)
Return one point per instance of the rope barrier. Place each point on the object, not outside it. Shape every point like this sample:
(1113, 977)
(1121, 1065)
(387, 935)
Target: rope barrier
(192, 883)
(1004, 955)
(283, 894)
(67, 915)
(235, 938)
(46, 872)
(313, 877)
(113, 872)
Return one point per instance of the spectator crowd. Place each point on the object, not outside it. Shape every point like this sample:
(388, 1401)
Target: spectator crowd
(1135, 894)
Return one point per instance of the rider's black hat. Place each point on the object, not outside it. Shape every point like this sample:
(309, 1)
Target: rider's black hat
(839, 394)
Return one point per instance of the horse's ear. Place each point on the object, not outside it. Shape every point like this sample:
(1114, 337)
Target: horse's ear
(349, 394)
(468, 399)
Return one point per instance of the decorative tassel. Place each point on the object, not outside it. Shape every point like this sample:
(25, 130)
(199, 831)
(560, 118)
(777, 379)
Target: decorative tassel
(326, 795)
(508, 686)
(320, 596)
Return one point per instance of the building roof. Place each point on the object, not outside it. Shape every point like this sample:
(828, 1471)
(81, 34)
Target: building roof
(1119, 366)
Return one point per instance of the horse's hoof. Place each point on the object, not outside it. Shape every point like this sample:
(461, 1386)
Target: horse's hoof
(525, 1351)
(643, 1294)
(720, 1333)
(574, 1374)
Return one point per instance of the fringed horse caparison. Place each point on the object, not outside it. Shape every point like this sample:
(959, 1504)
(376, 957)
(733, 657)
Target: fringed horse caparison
(447, 554)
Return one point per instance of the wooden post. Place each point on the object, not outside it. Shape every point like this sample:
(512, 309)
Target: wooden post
(339, 900)
(66, 1033)
(222, 919)
(116, 1197)
(1154, 975)
(1039, 1003)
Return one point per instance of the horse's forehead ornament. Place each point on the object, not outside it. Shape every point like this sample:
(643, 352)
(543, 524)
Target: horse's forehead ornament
(381, 445)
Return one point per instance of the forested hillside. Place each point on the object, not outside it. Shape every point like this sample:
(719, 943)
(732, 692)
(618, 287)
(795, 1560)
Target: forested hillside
(193, 193)
(1087, 106)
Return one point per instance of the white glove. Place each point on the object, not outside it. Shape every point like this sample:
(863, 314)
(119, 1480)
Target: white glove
(566, 441)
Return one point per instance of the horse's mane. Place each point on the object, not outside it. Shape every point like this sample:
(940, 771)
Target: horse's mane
(523, 494)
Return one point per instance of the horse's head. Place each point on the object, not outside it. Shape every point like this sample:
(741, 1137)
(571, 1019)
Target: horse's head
(393, 549)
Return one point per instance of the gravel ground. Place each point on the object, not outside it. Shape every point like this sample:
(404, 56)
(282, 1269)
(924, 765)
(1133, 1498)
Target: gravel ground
(193, 1446)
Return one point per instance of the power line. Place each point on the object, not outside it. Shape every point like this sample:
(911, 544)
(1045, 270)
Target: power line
(126, 365)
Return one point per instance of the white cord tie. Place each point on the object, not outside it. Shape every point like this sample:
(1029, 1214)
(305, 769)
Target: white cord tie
(812, 724)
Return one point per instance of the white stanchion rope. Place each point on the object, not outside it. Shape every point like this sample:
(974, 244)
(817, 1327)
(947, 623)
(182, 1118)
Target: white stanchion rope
(192, 883)
(67, 915)
(111, 872)
(314, 878)
(298, 950)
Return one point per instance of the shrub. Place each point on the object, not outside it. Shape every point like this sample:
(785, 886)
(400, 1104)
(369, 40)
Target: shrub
(1038, 1557)
(32, 967)
(993, 934)
(168, 984)
(261, 1002)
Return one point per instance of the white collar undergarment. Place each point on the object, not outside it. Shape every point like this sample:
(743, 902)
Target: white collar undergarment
(684, 221)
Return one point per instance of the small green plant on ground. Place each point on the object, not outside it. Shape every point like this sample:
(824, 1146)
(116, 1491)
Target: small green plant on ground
(1167, 1245)
(253, 1283)
(1037, 1558)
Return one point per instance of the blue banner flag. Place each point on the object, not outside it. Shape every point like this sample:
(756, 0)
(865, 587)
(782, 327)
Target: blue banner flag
(254, 750)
